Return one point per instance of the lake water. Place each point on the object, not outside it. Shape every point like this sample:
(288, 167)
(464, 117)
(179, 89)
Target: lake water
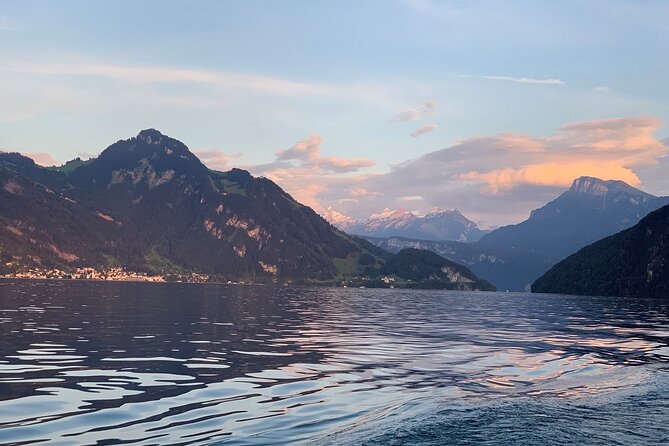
(116, 363)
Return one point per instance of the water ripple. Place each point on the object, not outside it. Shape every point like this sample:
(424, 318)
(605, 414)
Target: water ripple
(118, 363)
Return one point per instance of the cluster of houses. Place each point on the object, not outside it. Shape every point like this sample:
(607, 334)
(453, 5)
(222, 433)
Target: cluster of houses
(111, 274)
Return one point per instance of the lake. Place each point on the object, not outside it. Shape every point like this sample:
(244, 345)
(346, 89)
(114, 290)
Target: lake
(166, 364)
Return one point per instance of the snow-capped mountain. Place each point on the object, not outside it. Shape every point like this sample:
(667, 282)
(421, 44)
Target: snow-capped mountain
(438, 224)
(338, 220)
(390, 220)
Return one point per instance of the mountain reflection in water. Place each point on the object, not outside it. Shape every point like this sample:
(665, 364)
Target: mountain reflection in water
(112, 363)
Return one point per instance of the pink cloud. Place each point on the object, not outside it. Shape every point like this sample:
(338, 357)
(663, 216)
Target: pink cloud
(424, 129)
(501, 178)
(422, 111)
(308, 175)
(43, 159)
(215, 159)
(308, 153)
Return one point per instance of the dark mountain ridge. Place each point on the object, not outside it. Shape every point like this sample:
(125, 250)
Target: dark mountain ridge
(149, 204)
(165, 206)
(634, 262)
(506, 269)
(513, 257)
(589, 210)
(425, 267)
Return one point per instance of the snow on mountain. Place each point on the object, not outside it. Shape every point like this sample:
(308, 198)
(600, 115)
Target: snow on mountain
(437, 224)
(338, 220)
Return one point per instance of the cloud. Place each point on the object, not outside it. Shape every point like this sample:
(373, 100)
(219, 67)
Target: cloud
(500, 178)
(526, 80)
(602, 89)
(422, 111)
(609, 149)
(215, 159)
(521, 80)
(308, 153)
(411, 198)
(86, 155)
(548, 174)
(225, 79)
(424, 129)
(308, 175)
(173, 74)
(43, 159)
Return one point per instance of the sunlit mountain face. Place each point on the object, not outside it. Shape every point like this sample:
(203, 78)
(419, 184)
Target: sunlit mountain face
(512, 257)
(362, 223)
(436, 225)
(149, 205)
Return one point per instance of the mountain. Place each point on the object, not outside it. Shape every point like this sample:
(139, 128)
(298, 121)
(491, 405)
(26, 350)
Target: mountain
(430, 270)
(338, 220)
(148, 204)
(39, 226)
(634, 262)
(506, 269)
(436, 225)
(590, 210)
(512, 257)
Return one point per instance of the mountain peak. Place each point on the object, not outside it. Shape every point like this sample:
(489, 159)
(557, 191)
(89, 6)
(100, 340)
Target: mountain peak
(438, 212)
(153, 144)
(435, 211)
(145, 159)
(589, 185)
(341, 221)
(598, 187)
(392, 213)
(438, 224)
(150, 136)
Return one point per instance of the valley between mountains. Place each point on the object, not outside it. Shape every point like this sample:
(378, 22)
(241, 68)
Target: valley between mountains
(148, 209)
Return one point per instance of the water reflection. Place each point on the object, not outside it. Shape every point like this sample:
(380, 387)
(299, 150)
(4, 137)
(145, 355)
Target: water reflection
(192, 364)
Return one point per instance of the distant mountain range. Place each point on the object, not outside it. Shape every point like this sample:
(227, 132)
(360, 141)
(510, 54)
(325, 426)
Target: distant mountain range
(512, 257)
(590, 210)
(437, 225)
(507, 269)
(148, 204)
(634, 262)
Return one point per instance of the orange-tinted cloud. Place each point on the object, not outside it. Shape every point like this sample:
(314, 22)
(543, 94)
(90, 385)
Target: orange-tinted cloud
(43, 159)
(215, 159)
(607, 149)
(501, 178)
(307, 175)
(498, 179)
(550, 174)
(308, 153)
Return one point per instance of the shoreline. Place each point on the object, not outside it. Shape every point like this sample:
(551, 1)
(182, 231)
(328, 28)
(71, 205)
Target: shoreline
(4, 278)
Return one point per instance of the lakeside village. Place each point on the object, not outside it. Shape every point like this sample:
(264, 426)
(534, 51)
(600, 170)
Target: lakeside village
(110, 274)
(118, 274)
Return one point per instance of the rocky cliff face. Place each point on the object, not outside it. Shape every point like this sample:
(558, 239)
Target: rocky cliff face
(148, 204)
(513, 257)
(589, 210)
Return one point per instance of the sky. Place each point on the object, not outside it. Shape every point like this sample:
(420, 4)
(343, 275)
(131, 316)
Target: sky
(491, 107)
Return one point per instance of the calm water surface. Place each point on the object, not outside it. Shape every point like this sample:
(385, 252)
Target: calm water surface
(118, 363)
